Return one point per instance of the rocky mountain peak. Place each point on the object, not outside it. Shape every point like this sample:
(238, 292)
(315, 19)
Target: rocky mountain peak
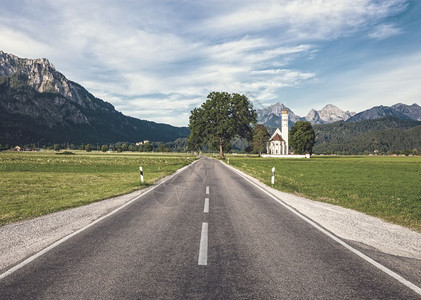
(38, 73)
(378, 112)
(271, 115)
(328, 114)
(11, 64)
(42, 76)
(313, 116)
(276, 108)
(331, 113)
(412, 111)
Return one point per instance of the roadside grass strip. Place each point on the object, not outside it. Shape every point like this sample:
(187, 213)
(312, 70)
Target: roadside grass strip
(35, 184)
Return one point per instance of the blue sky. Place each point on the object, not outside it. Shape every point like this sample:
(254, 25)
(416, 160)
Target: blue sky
(157, 60)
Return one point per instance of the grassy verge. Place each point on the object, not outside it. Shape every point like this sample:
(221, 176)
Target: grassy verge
(34, 184)
(384, 187)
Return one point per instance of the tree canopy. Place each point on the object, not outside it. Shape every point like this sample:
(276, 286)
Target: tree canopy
(302, 137)
(220, 119)
(260, 138)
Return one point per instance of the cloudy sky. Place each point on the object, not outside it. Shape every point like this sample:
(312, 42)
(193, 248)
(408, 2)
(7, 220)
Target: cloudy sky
(157, 60)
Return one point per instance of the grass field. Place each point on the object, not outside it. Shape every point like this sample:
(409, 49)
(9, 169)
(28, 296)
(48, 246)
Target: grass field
(34, 184)
(385, 187)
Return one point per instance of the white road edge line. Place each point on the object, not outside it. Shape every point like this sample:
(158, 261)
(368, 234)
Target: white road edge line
(62, 240)
(207, 190)
(389, 272)
(203, 250)
(206, 209)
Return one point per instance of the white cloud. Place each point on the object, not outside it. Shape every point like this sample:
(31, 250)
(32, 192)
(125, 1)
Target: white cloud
(173, 109)
(17, 43)
(384, 31)
(397, 79)
(302, 20)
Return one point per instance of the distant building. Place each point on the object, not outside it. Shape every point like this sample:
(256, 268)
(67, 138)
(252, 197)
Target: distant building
(142, 143)
(278, 143)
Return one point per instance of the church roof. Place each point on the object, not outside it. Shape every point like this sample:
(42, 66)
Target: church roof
(277, 137)
(277, 132)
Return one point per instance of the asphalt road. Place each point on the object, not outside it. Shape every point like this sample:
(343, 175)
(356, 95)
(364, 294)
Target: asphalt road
(172, 243)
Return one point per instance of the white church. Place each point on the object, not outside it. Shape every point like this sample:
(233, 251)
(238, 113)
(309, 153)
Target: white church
(278, 143)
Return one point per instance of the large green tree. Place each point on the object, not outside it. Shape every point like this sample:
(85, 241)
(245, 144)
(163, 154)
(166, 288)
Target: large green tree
(260, 138)
(221, 118)
(302, 137)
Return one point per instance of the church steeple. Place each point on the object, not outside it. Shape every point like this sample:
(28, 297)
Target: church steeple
(284, 129)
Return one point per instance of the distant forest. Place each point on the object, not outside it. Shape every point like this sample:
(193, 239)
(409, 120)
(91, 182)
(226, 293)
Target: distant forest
(388, 135)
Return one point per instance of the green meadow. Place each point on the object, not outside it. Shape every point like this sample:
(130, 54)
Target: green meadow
(34, 184)
(384, 187)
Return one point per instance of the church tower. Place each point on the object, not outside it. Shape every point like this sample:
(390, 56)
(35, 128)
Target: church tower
(284, 130)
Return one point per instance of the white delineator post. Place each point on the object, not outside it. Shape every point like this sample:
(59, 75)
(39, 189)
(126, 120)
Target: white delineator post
(273, 175)
(141, 174)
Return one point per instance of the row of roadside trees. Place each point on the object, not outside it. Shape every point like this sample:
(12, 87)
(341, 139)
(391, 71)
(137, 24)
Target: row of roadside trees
(179, 145)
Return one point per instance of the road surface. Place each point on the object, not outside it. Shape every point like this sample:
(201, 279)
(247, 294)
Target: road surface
(207, 233)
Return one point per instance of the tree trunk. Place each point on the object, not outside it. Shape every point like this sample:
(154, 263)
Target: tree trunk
(221, 152)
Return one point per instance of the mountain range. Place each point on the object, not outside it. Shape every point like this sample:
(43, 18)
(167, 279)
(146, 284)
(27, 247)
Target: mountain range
(39, 104)
(271, 116)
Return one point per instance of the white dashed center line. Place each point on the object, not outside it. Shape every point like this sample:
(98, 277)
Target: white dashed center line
(203, 250)
(207, 190)
(206, 209)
